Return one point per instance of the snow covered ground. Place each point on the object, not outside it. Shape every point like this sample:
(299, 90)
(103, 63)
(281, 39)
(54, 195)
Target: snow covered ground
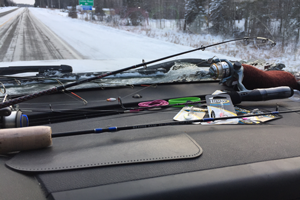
(109, 48)
(105, 47)
(170, 34)
(4, 9)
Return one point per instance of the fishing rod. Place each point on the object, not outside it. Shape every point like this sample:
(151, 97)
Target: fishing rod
(63, 87)
(123, 110)
(54, 115)
(112, 129)
(29, 138)
(90, 113)
(237, 97)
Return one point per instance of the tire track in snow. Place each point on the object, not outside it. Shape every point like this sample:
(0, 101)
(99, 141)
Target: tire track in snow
(25, 38)
(6, 38)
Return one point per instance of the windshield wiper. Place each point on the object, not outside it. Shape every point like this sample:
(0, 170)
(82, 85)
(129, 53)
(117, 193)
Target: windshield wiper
(39, 69)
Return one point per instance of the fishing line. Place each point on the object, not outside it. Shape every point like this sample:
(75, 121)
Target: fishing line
(127, 110)
(65, 92)
(95, 110)
(78, 97)
(167, 111)
(4, 89)
(62, 104)
(144, 88)
(115, 115)
(153, 104)
(90, 101)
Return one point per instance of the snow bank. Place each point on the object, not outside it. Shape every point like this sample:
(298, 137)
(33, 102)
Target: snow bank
(4, 9)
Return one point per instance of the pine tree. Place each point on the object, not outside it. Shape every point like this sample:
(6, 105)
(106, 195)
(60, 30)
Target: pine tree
(132, 12)
(193, 8)
(220, 17)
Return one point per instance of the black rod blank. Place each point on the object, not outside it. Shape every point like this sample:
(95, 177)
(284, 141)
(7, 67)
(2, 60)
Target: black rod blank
(112, 129)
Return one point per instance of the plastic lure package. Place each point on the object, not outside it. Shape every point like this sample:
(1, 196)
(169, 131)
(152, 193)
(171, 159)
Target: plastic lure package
(220, 105)
(190, 113)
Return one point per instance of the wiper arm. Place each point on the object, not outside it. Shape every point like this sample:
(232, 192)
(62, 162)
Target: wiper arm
(40, 69)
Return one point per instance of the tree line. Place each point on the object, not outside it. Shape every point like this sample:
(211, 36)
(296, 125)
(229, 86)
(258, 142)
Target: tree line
(5, 3)
(276, 19)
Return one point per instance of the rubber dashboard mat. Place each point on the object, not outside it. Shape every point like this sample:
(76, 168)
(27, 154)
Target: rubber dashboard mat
(78, 154)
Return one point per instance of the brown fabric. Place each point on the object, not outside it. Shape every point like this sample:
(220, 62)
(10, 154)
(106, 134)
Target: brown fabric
(256, 78)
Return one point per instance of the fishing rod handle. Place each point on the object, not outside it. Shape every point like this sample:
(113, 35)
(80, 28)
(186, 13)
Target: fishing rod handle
(27, 97)
(20, 139)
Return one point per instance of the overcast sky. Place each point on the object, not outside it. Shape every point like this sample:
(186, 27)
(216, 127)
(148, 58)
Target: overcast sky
(25, 1)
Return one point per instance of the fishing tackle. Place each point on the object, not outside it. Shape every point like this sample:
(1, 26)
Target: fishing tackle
(155, 103)
(236, 97)
(111, 99)
(63, 87)
(247, 77)
(11, 117)
(28, 138)
(224, 70)
(158, 104)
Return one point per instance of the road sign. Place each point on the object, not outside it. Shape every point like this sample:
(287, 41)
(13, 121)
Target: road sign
(86, 7)
(86, 2)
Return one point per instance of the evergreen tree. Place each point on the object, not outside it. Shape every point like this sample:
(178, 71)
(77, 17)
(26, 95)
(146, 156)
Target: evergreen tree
(193, 8)
(220, 17)
(132, 11)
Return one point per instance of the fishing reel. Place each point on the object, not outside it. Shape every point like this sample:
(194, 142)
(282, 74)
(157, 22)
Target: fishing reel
(11, 118)
(267, 89)
(228, 73)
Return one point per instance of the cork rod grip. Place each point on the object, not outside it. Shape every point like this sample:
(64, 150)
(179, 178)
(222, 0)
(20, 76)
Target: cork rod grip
(28, 138)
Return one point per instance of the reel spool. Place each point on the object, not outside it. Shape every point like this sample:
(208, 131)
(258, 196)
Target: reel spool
(219, 70)
(13, 119)
(227, 73)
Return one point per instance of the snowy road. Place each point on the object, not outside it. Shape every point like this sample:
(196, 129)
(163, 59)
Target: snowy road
(23, 37)
(42, 36)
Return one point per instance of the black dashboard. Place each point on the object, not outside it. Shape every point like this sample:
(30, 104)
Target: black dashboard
(236, 161)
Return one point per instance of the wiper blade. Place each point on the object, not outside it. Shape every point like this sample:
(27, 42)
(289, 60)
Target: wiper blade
(39, 69)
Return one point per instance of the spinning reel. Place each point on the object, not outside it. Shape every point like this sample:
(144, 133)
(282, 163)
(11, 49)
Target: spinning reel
(12, 117)
(271, 84)
(227, 72)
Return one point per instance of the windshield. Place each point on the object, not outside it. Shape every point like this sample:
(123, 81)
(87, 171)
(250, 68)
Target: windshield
(98, 36)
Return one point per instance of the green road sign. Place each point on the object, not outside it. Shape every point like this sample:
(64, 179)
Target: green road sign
(86, 2)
